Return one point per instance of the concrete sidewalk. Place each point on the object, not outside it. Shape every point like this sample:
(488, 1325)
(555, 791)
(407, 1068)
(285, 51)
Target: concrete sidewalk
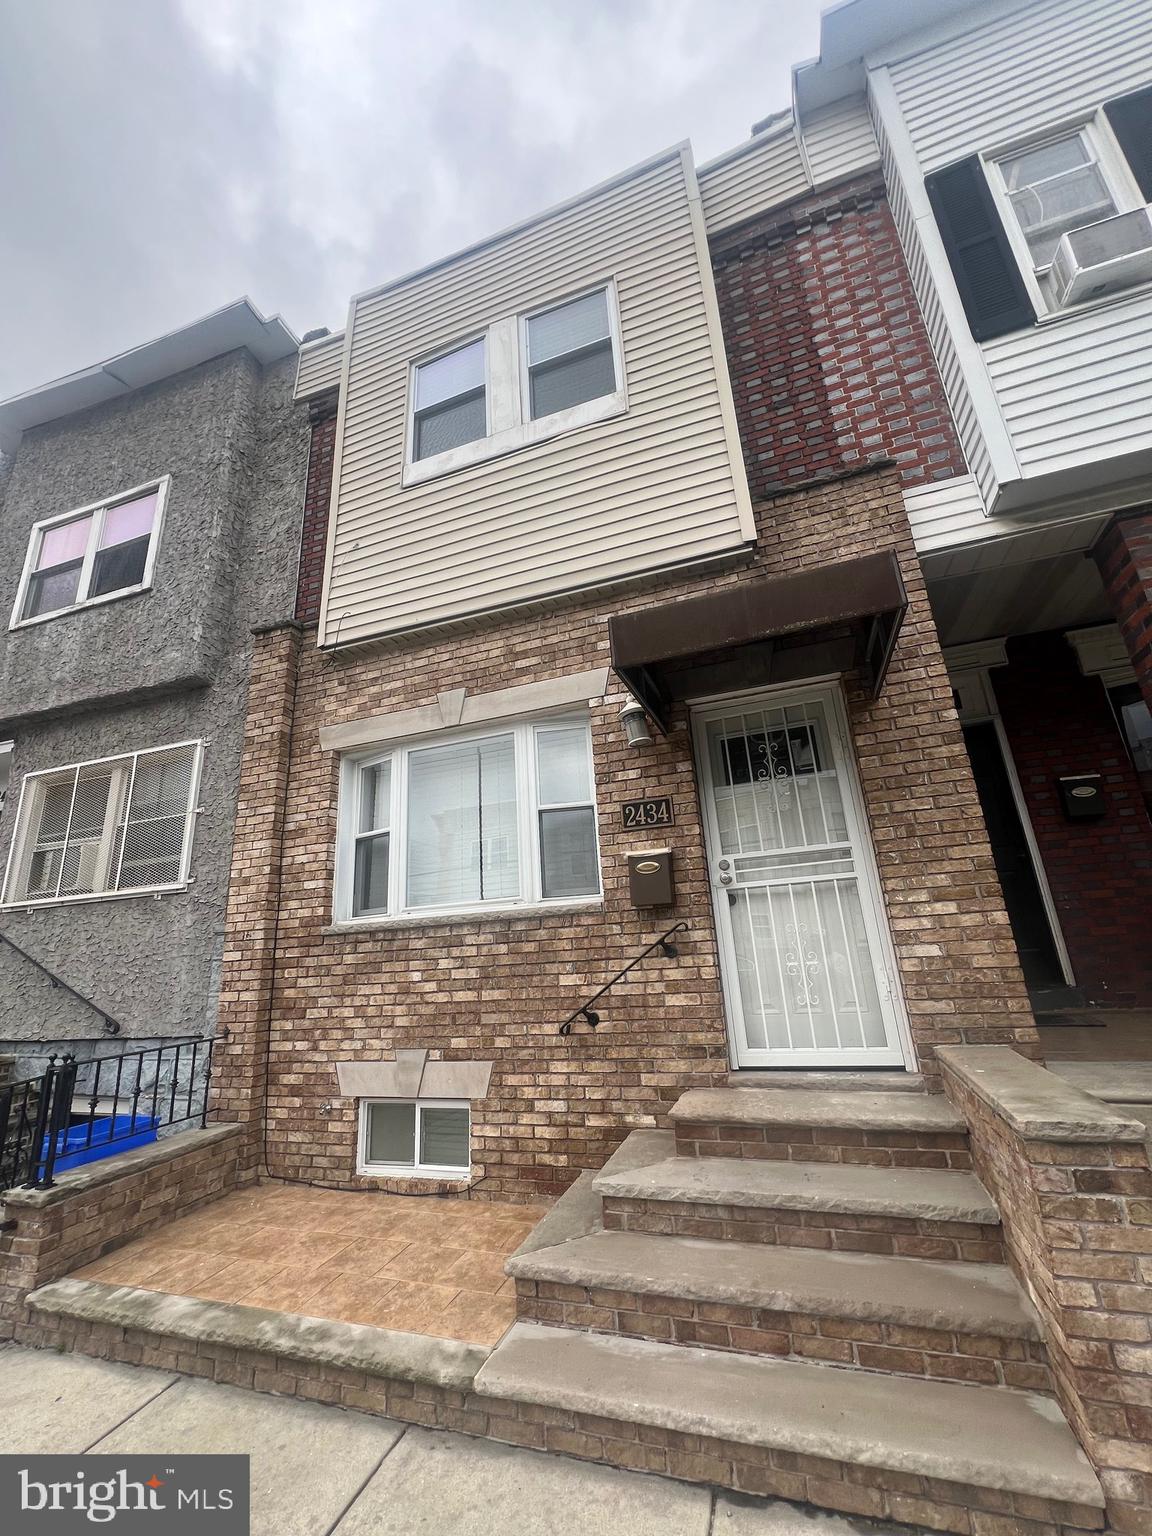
(318, 1470)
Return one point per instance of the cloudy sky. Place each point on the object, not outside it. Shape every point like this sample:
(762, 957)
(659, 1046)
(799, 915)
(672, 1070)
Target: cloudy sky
(161, 157)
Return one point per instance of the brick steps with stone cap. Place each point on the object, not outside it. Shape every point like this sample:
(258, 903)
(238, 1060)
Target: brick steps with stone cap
(881, 1129)
(909, 1212)
(925, 1452)
(958, 1322)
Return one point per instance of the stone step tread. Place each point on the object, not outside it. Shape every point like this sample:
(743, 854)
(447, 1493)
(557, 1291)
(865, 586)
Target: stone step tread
(912, 1193)
(1017, 1442)
(854, 1110)
(868, 1081)
(915, 1293)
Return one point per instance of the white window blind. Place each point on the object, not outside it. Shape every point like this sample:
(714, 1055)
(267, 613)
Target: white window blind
(498, 819)
(105, 827)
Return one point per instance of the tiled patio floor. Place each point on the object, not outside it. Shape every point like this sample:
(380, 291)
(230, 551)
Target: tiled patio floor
(414, 1263)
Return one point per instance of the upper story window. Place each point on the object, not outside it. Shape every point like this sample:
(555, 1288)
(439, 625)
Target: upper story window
(570, 355)
(1052, 223)
(90, 555)
(451, 405)
(106, 827)
(496, 819)
(1054, 188)
(528, 378)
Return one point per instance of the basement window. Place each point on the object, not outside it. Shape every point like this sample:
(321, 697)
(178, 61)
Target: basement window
(110, 827)
(91, 554)
(415, 1137)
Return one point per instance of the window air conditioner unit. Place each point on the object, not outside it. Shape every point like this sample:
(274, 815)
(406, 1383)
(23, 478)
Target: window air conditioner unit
(1103, 258)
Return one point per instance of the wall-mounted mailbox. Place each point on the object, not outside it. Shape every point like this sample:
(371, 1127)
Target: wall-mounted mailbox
(650, 882)
(1082, 796)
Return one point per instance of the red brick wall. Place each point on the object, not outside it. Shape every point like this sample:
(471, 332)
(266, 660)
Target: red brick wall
(1059, 722)
(496, 987)
(317, 495)
(1124, 556)
(829, 359)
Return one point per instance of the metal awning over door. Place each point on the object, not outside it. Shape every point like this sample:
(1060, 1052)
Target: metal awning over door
(832, 619)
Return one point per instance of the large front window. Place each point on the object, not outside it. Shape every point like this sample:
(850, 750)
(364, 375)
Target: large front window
(494, 819)
(106, 827)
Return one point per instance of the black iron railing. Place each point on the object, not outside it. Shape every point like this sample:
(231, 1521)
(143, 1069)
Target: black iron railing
(588, 1013)
(111, 1026)
(79, 1111)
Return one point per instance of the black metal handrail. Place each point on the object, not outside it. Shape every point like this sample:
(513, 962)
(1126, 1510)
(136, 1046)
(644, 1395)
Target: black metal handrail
(586, 1010)
(111, 1025)
(128, 1097)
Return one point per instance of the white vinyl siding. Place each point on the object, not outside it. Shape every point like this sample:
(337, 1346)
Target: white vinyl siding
(839, 141)
(762, 174)
(108, 827)
(1007, 77)
(657, 487)
(946, 341)
(1072, 395)
(500, 818)
(1080, 390)
(318, 366)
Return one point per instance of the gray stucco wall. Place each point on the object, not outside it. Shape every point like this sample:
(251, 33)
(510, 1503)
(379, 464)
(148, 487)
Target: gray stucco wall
(164, 666)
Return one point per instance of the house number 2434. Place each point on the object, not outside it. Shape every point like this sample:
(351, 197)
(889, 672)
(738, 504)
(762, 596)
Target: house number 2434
(649, 813)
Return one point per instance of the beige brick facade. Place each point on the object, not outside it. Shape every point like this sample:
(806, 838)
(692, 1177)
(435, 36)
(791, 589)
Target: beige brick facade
(496, 987)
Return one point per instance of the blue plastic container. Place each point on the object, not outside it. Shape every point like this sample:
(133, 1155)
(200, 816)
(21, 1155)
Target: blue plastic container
(111, 1134)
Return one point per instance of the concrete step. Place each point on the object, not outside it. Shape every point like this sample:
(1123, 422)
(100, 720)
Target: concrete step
(907, 1450)
(886, 1130)
(910, 1212)
(835, 1082)
(959, 1322)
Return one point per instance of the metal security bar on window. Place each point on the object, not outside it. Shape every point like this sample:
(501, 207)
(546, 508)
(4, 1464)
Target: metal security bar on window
(107, 827)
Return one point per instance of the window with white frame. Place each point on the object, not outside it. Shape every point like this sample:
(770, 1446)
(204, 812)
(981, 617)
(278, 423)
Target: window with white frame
(106, 827)
(529, 377)
(415, 1136)
(498, 818)
(1053, 187)
(450, 401)
(91, 554)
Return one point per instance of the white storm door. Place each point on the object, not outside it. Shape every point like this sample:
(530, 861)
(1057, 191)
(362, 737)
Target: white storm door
(798, 914)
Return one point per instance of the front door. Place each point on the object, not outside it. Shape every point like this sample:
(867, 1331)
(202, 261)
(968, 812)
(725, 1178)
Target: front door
(797, 909)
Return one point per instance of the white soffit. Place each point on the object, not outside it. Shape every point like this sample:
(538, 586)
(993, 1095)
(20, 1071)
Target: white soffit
(236, 325)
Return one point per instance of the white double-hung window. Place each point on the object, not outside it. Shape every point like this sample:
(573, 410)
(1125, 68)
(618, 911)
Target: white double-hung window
(498, 818)
(91, 554)
(105, 828)
(529, 377)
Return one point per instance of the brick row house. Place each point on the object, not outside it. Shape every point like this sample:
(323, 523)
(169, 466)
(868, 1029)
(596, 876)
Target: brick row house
(703, 777)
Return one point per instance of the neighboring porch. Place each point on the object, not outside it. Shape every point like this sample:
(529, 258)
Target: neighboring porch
(1060, 739)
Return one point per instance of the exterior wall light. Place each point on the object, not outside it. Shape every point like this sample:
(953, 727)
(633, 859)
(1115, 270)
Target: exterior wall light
(635, 723)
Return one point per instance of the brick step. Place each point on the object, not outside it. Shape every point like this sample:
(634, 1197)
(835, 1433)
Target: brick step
(923, 1452)
(955, 1322)
(884, 1130)
(914, 1213)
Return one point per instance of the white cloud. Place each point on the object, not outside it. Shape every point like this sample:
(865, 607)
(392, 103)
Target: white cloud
(163, 156)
